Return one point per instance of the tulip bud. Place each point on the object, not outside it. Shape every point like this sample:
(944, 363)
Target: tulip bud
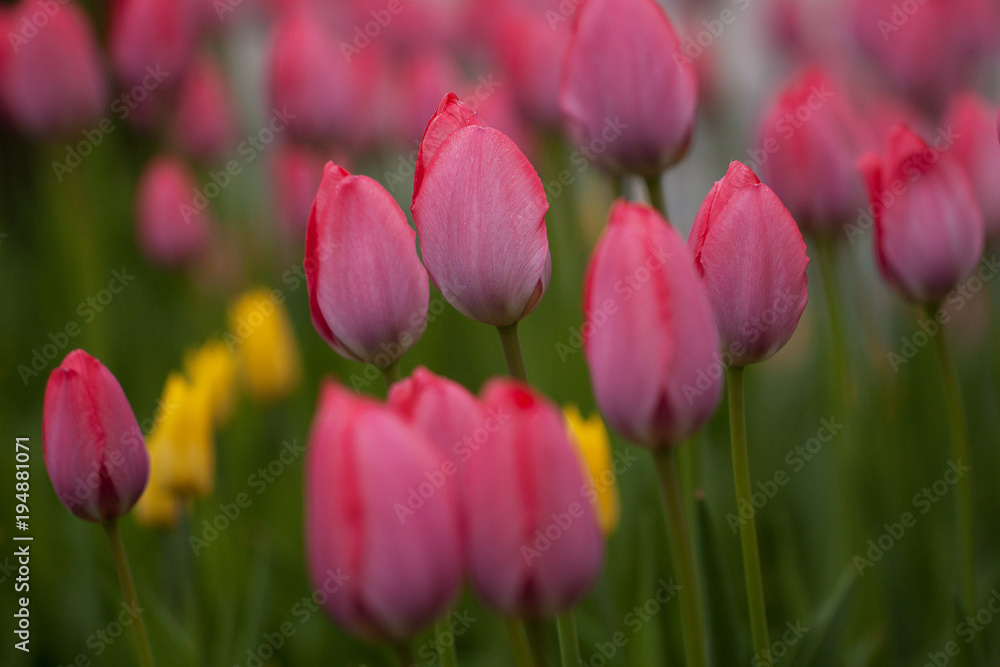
(535, 546)
(929, 232)
(368, 293)
(93, 448)
(972, 120)
(479, 208)
(170, 225)
(649, 336)
(184, 439)
(51, 80)
(158, 507)
(204, 122)
(811, 163)
(628, 92)
(388, 555)
(297, 173)
(591, 440)
(262, 336)
(213, 367)
(153, 41)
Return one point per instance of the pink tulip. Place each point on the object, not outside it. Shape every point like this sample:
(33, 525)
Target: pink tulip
(51, 79)
(649, 336)
(205, 121)
(93, 448)
(172, 219)
(929, 232)
(812, 140)
(152, 42)
(389, 564)
(628, 92)
(534, 542)
(368, 293)
(296, 174)
(479, 208)
(972, 120)
(752, 258)
(415, 92)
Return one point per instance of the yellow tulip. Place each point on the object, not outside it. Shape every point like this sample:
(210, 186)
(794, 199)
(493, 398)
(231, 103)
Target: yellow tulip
(213, 367)
(591, 439)
(261, 334)
(185, 433)
(158, 506)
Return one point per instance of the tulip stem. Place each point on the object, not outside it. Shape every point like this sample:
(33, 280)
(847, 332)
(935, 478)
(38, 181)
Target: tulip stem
(128, 592)
(684, 563)
(519, 642)
(512, 351)
(569, 643)
(391, 374)
(828, 276)
(446, 640)
(657, 194)
(748, 528)
(957, 419)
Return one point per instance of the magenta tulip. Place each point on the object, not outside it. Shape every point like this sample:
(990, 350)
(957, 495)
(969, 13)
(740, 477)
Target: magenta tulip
(204, 122)
(752, 258)
(650, 339)
(368, 293)
(171, 227)
(628, 92)
(297, 172)
(973, 121)
(479, 208)
(929, 231)
(388, 565)
(152, 42)
(94, 451)
(535, 546)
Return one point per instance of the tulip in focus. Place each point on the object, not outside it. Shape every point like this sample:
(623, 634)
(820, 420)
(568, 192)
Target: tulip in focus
(929, 236)
(628, 93)
(261, 334)
(170, 228)
(479, 208)
(652, 358)
(395, 567)
(972, 119)
(752, 258)
(591, 440)
(204, 122)
(535, 546)
(93, 448)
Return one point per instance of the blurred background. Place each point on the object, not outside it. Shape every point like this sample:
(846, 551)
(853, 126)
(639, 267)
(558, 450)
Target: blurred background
(158, 160)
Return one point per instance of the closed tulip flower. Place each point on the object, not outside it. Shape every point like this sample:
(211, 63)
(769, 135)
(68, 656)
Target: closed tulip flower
(261, 334)
(650, 339)
(204, 121)
(479, 208)
(973, 121)
(752, 258)
(94, 451)
(591, 439)
(213, 366)
(170, 228)
(51, 78)
(184, 439)
(296, 174)
(153, 41)
(397, 565)
(159, 507)
(628, 93)
(930, 236)
(368, 293)
(535, 545)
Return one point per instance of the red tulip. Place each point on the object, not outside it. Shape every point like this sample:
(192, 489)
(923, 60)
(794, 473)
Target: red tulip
(812, 139)
(752, 258)
(628, 92)
(479, 208)
(650, 339)
(535, 546)
(929, 232)
(296, 174)
(51, 81)
(972, 120)
(368, 293)
(388, 564)
(172, 220)
(93, 448)
(205, 121)
(157, 36)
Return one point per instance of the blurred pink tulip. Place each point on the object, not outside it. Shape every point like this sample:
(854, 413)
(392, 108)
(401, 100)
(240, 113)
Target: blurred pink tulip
(649, 336)
(972, 120)
(153, 41)
(812, 140)
(51, 78)
(479, 208)
(752, 258)
(204, 122)
(929, 231)
(417, 84)
(171, 213)
(368, 293)
(296, 174)
(389, 558)
(94, 451)
(628, 92)
(535, 546)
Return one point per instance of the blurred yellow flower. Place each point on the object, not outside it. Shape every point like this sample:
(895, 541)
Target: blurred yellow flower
(591, 439)
(158, 507)
(213, 368)
(261, 334)
(184, 437)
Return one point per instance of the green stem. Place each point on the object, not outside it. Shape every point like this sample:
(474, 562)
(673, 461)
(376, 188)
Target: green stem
(512, 351)
(391, 374)
(828, 276)
(748, 528)
(446, 641)
(692, 618)
(128, 592)
(519, 642)
(569, 643)
(957, 419)
(657, 194)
